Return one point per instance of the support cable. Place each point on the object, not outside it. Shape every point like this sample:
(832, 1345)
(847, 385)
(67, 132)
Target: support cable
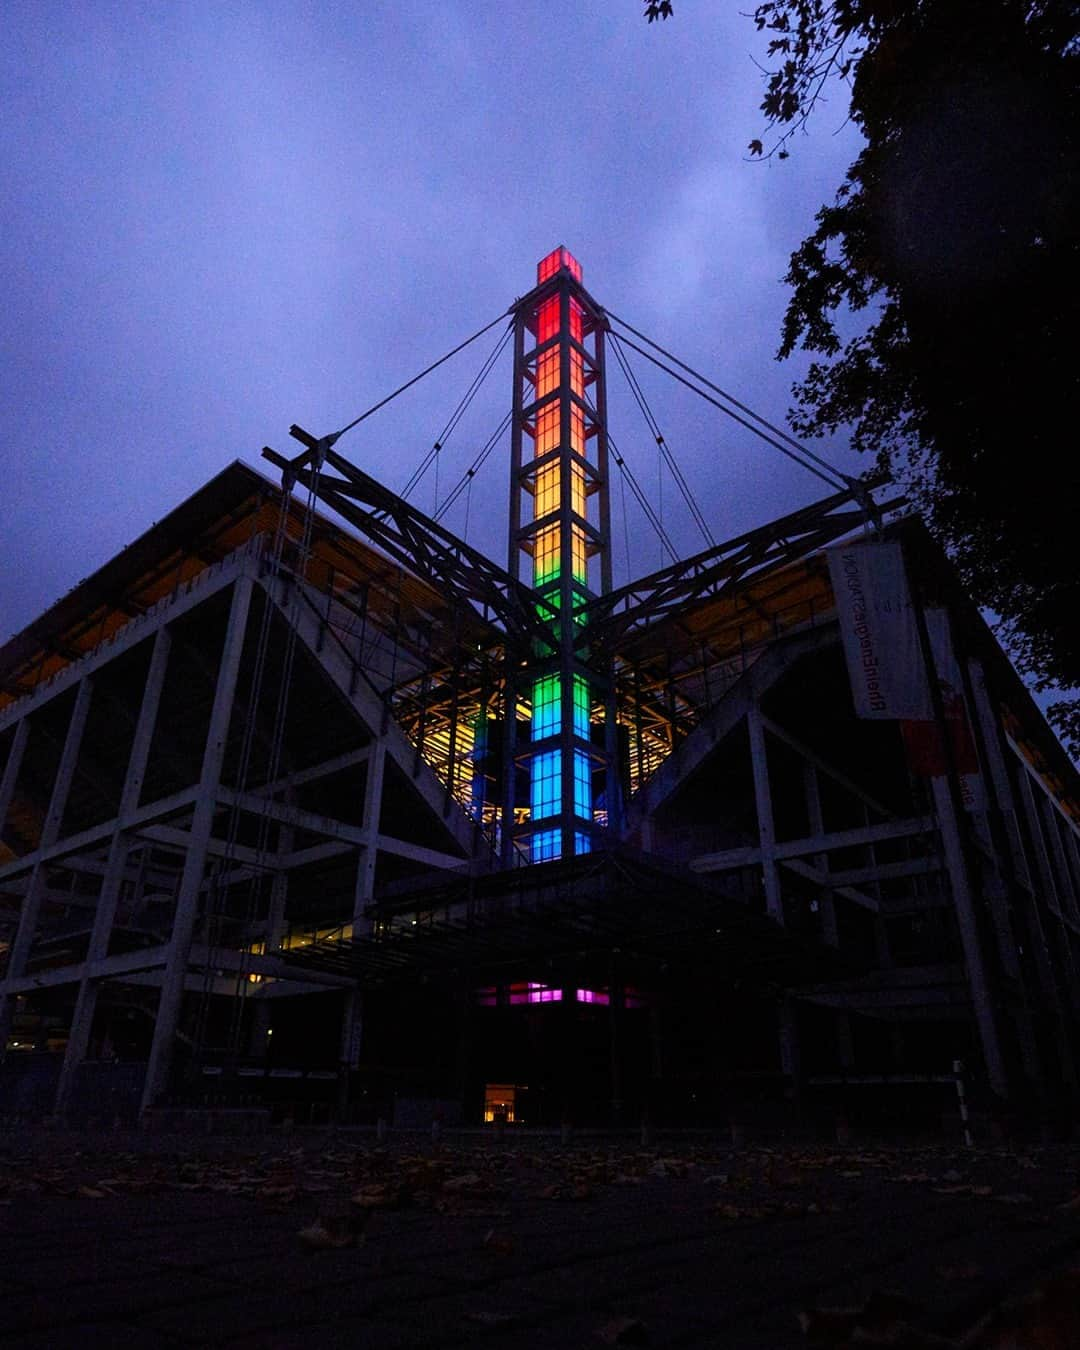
(793, 449)
(665, 449)
(640, 496)
(415, 380)
(431, 457)
(470, 473)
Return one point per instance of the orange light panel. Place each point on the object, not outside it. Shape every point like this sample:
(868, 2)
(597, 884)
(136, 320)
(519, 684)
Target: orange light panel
(547, 372)
(547, 429)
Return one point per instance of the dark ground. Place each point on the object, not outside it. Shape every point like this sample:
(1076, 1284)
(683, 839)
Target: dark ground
(138, 1240)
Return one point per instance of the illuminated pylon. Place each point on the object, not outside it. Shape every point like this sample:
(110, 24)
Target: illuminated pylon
(559, 539)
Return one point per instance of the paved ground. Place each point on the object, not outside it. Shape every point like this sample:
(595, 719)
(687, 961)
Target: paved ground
(168, 1241)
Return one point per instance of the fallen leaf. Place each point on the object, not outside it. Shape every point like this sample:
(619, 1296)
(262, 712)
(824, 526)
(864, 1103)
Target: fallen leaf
(320, 1238)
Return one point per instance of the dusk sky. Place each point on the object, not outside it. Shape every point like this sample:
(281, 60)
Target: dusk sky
(219, 219)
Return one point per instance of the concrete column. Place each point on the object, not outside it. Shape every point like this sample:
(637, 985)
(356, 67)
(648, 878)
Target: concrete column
(1066, 888)
(994, 758)
(826, 901)
(967, 922)
(998, 771)
(50, 833)
(279, 891)
(766, 829)
(1064, 966)
(365, 863)
(105, 914)
(187, 900)
(11, 769)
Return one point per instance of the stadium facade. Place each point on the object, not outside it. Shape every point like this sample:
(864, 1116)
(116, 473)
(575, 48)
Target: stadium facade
(308, 806)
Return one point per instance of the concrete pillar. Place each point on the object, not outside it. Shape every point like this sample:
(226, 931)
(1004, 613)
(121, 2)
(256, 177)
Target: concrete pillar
(967, 922)
(50, 833)
(365, 863)
(105, 914)
(172, 989)
(11, 769)
(774, 904)
(1055, 930)
(826, 900)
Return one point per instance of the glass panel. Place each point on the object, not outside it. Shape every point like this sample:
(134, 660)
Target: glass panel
(577, 490)
(545, 846)
(546, 557)
(547, 320)
(546, 786)
(547, 428)
(582, 785)
(547, 714)
(579, 558)
(548, 482)
(547, 372)
(581, 707)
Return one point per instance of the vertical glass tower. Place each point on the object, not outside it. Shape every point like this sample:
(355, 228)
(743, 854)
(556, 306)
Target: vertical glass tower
(559, 544)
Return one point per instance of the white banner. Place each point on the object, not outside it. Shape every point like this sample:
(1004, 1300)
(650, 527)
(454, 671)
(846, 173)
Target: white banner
(877, 623)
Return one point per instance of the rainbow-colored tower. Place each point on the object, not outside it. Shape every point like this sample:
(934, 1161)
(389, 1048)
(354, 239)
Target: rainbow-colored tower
(559, 523)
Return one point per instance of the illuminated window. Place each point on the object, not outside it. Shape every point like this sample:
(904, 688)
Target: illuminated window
(581, 707)
(547, 320)
(577, 373)
(577, 490)
(547, 372)
(593, 996)
(533, 993)
(582, 785)
(548, 482)
(545, 846)
(582, 843)
(578, 556)
(546, 556)
(499, 1101)
(546, 718)
(546, 786)
(547, 429)
(575, 319)
(577, 429)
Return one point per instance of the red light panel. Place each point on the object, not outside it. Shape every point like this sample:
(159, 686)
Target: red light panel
(559, 257)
